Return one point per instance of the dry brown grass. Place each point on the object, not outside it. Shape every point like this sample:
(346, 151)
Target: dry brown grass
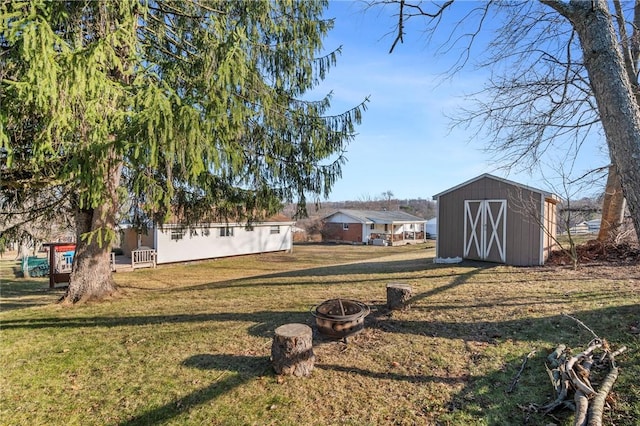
(190, 344)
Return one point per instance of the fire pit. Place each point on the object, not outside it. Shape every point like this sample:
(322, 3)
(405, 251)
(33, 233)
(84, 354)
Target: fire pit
(340, 318)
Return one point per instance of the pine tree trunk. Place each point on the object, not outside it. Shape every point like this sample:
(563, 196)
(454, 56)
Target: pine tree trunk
(612, 207)
(618, 108)
(91, 277)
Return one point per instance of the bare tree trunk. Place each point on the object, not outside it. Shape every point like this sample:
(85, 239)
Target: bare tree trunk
(612, 207)
(91, 277)
(613, 92)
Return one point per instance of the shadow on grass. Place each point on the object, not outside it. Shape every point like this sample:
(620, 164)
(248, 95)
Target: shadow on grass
(265, 322)
(245, 368)
(375, 271)
(482, 395)
(417, 378)
(29, 290)
(27, 293)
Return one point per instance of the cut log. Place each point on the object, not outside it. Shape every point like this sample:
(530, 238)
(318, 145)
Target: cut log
(292, 350)
(398, 295)
(582, 405)
(596, 409)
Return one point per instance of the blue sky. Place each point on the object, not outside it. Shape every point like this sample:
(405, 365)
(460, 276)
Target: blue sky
(404, 144)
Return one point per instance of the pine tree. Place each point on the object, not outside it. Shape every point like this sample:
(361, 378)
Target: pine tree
(193, 110)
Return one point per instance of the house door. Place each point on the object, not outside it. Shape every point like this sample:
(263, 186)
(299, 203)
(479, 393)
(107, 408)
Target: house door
(485, 228)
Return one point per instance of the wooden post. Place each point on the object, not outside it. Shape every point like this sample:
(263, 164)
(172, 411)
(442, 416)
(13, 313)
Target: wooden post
(52, 266)
(292, 350)
(398, 295)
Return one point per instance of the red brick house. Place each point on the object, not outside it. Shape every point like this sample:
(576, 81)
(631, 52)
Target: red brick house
(373, 227)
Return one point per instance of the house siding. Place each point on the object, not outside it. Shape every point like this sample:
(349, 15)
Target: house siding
(129, 240)
(335, 232)
(523, 223)
(198, 246)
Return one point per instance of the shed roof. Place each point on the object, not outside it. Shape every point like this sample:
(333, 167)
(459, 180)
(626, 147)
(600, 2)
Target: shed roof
(375, 216)
(547, 194)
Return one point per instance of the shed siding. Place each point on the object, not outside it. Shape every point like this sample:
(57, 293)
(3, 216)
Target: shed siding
(522, 240)
(551, 228)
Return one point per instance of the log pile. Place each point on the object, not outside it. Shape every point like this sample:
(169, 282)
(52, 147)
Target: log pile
(583, 381)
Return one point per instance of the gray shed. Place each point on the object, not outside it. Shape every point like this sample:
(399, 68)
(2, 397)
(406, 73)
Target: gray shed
(496, 220)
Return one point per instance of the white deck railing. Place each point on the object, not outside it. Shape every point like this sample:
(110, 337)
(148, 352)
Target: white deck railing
(143, 258)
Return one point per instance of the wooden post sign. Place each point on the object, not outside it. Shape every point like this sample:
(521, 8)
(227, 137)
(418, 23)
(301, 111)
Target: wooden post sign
(60, 261)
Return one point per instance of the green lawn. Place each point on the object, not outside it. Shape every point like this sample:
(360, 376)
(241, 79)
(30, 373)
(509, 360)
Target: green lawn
(190, 343)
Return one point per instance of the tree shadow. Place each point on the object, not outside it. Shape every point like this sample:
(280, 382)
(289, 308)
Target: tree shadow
(264, 322)
(473, 399)
(245, 367)
(375, 272)
(338, 271)
(27, 293)
(416, 379)
(480, 392)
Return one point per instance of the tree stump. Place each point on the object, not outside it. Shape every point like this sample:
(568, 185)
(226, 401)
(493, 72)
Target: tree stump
(398, 295)
(292, 350)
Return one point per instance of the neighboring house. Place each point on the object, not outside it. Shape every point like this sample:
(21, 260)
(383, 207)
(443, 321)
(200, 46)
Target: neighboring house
(496, 220)
(373, 227)
(580, 228)
(594, 225)
(586, 227)
(432, 228)
(175, 243)
(299, 234)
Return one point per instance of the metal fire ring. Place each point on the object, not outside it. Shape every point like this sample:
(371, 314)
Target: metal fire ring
(340, 310)
(340, 318)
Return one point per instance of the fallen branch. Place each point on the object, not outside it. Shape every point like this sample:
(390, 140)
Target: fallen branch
(582, 324)
(582, 409)
(617, 352)
(556, 356)
(596, 409)
(515, 380)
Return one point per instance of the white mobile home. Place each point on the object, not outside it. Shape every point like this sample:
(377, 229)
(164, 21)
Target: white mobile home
(176, 243)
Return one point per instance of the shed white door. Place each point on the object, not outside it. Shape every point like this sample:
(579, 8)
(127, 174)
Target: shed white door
(485, 228)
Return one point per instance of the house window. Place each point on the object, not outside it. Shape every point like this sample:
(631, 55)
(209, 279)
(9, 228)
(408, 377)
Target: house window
(372, 226)
(345, 226)
(275, 229)
(177, 234)
(226, 231)
(386, 227)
